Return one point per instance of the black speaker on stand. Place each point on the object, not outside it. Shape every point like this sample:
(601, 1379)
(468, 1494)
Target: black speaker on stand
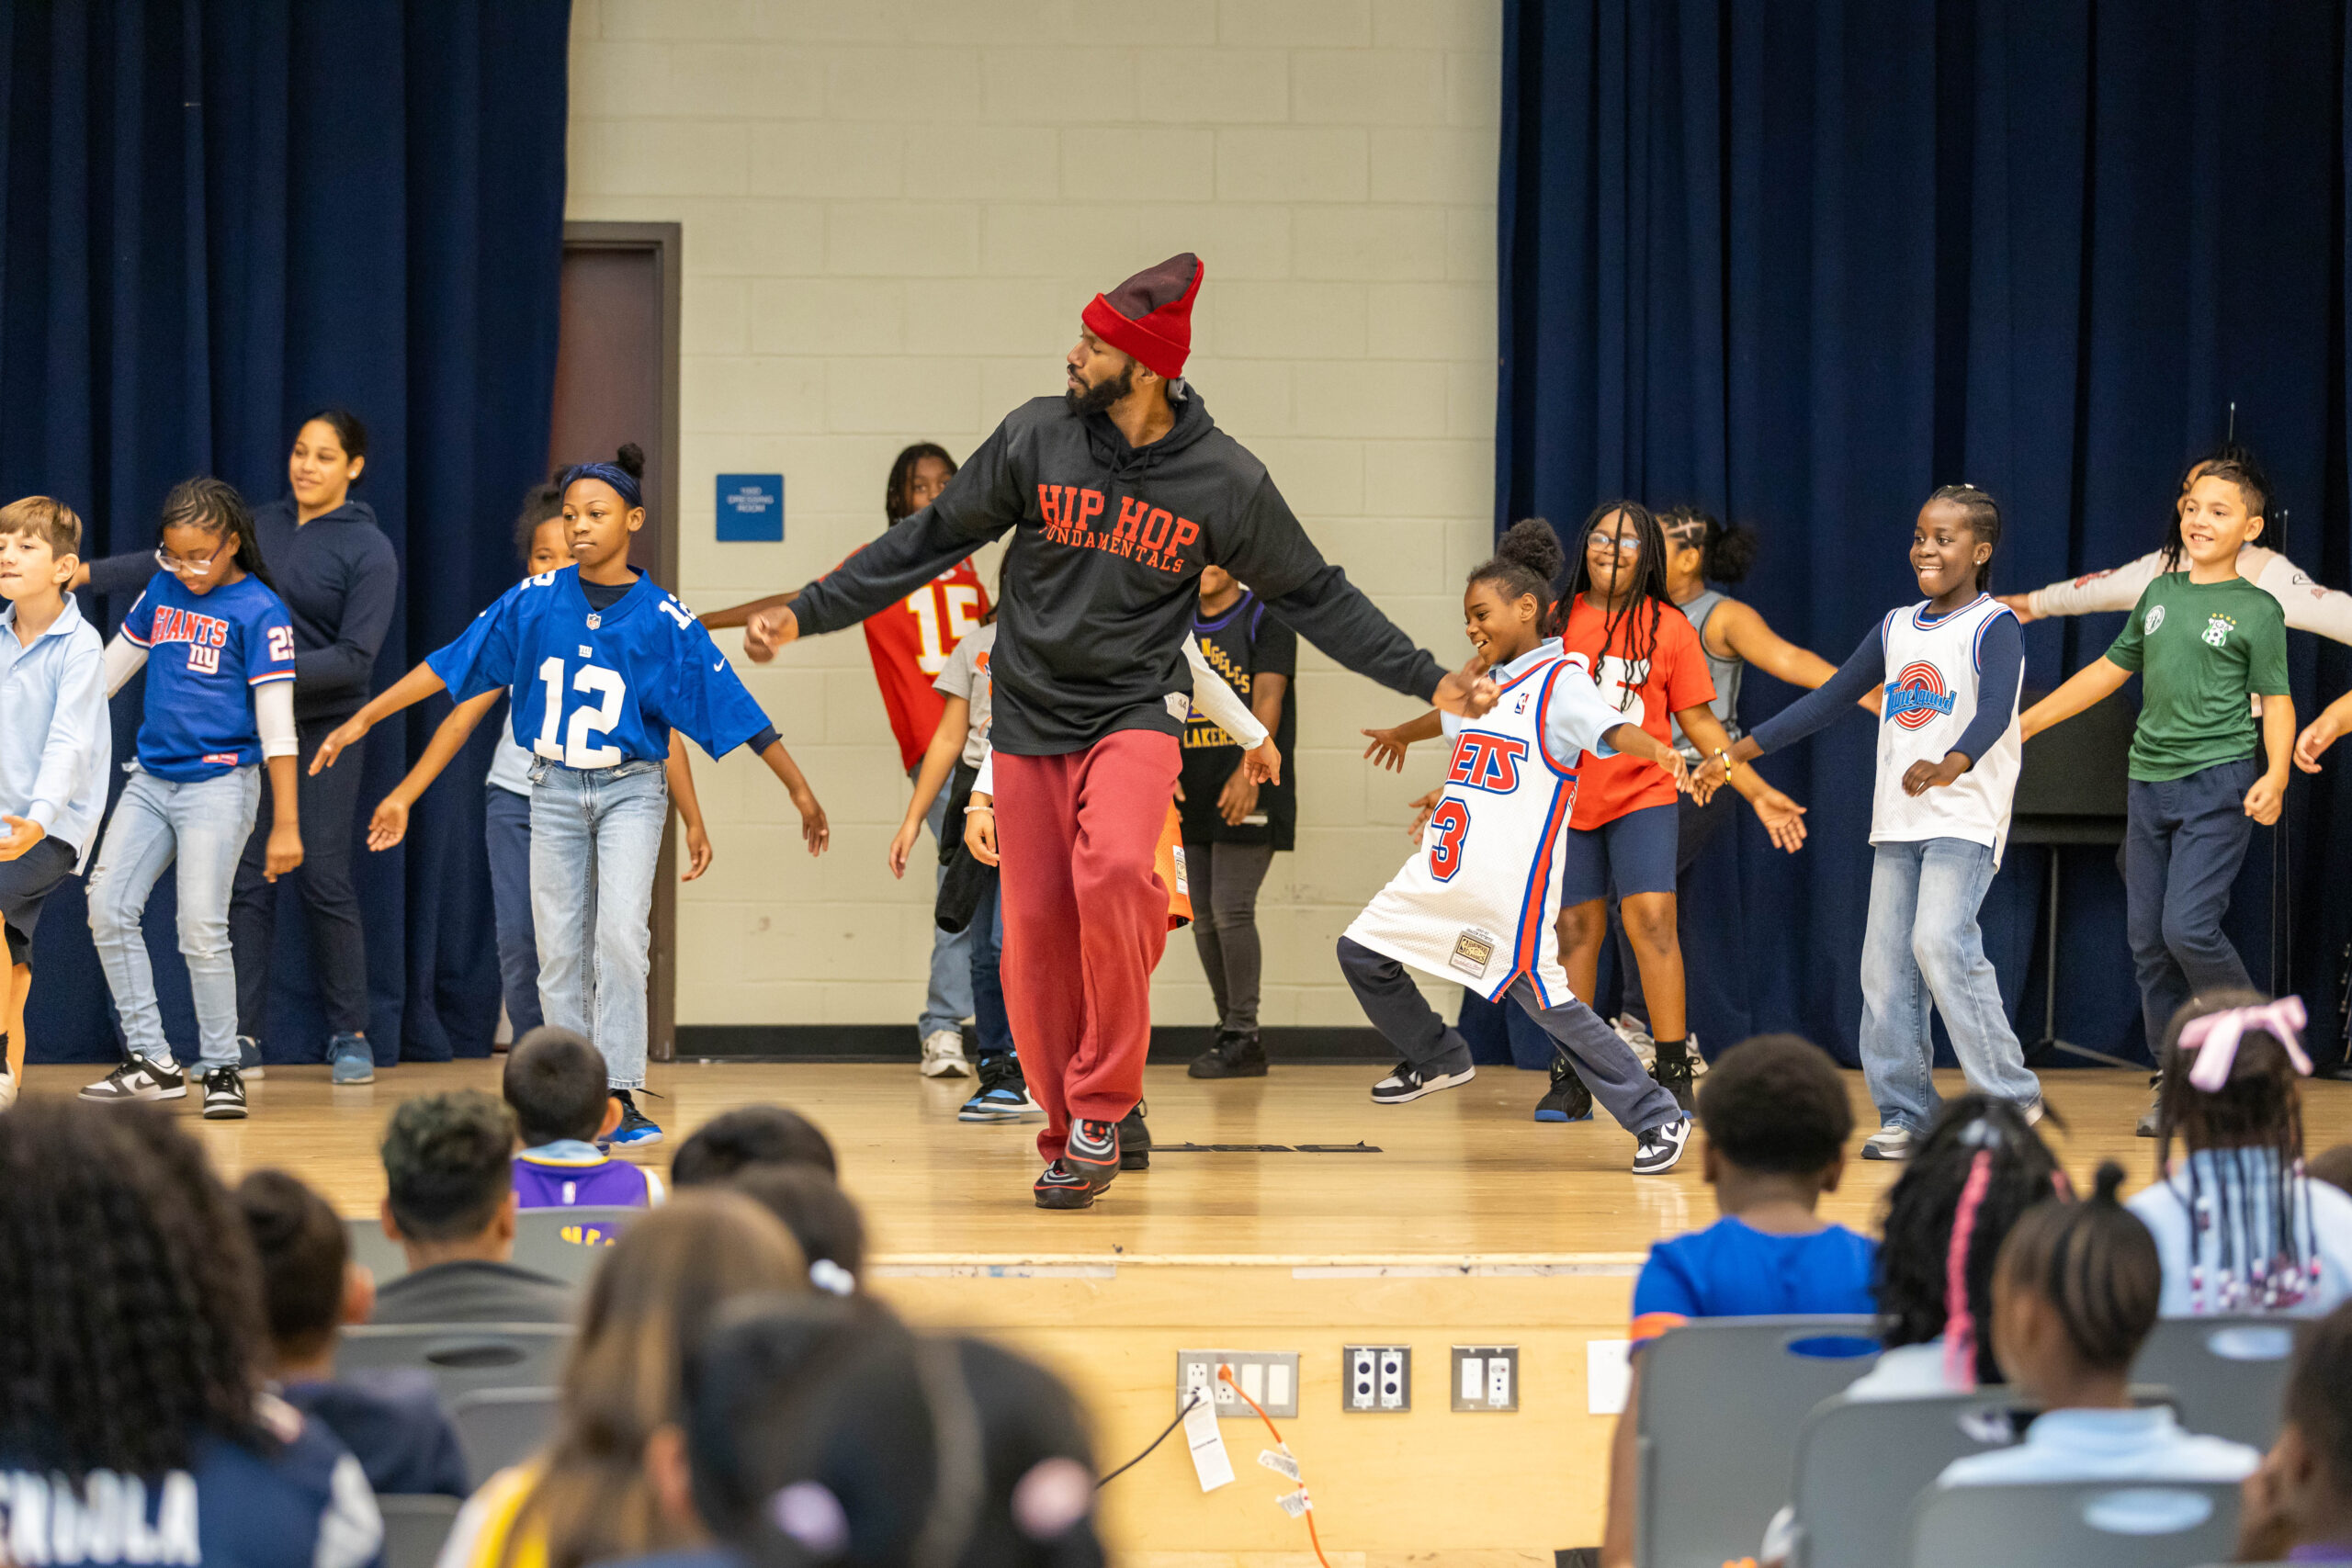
(2073, 788)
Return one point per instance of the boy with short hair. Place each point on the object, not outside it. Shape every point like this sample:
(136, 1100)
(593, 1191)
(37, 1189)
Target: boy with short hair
(393, 1422)
(735, 1140)
(1776, 1117)
(449, 1202)
(56, 744)
(2203, 640)
(555, 1083)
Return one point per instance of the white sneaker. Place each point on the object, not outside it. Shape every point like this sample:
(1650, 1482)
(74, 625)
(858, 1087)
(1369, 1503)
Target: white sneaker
(1629, 1029)
(7, 1087)
(1698, 1062)
(1891, 1141)
(943, 1055)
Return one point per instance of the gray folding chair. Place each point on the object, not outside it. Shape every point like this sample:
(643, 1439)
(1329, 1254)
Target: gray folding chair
(462, 1356)
(414, 1528)
(498, 1426)
(566, 1243)
(2228, 1375)
(1861, 1462)
(371, 1247)
(1719, 1398)
(2076, 1524)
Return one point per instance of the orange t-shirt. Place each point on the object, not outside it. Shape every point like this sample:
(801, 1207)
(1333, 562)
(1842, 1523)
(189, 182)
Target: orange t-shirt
(1650, 692)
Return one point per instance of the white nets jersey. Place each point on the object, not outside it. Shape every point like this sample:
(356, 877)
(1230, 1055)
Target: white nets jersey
(1478, 905)
(1931, 690)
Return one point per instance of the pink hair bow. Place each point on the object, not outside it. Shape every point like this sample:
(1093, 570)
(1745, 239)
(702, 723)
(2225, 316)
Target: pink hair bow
(2215, 1038)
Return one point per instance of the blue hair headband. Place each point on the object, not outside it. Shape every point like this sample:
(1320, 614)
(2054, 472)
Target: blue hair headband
(612, 474)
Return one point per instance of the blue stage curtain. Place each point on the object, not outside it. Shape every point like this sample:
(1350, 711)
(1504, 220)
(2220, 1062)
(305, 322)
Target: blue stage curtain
(1802, 262)
(220, 214)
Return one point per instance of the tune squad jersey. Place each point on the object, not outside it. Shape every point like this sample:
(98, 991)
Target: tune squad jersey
(1479, 904)
(909, 643)
(593, 689)
(205, 654)
(1931, 692)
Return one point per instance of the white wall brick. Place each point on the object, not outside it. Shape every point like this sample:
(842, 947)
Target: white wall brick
(893, 213)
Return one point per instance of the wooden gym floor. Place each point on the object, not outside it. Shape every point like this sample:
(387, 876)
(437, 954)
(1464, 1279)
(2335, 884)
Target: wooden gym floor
(1470, 1225)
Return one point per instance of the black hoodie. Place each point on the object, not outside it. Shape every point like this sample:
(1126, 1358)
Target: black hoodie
(1102, 579)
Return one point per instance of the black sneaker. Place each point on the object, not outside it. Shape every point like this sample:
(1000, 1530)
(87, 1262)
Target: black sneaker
(1003, 1094)
(1405, 1081)
(637, 1129)
(1567, 1099)
(1658, 1150)
(1135, 1140)
(1673, 1074)
(1235, 1055)
(1062, 1188)
(2151, 1120)
(1092, 1153)
(139, 1078)
(224, 1095)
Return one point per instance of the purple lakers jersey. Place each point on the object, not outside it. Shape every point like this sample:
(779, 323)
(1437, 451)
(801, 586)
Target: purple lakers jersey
(544, 1179)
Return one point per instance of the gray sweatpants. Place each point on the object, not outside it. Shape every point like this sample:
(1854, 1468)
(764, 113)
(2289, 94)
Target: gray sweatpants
(1605, 1063)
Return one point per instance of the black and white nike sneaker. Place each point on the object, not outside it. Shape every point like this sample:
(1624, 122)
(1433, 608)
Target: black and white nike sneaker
(1405, 1081)
(139, 1078)
(224, 1095)
(1658, 1150)
(1093, 1151)
(1062, 1188)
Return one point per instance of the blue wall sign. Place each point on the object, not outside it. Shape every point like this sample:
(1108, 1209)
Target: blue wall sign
(751, 508)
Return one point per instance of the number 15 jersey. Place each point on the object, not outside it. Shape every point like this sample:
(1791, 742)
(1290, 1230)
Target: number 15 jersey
(596, 688)
(1478, 905)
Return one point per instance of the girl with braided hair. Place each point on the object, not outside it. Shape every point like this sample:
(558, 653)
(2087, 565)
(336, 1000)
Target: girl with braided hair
(2240, 1226)
(134, 1414)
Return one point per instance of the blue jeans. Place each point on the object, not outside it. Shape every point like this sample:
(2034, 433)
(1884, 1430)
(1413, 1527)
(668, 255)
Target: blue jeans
(595, 840)
(987, 932)
(506, 833)
(203, 825)
(2183, 842)
(950, 1000)
(1922, 942)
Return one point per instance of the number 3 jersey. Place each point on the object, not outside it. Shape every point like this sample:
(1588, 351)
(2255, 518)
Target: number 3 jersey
(1478, 905)
(596, 688)
(205, 654)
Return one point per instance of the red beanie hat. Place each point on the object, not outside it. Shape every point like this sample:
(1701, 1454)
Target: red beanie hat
(1149, 317)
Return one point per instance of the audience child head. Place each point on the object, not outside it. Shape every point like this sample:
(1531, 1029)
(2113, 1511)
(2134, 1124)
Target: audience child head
(820, 1216)
(449, 1181)
(748, 1136)
(650, 1301)
(2229, 1094)
(2074, 1298)
(555, 1083)
(1979, 1168)
(129, 1301)
(41, 545)
(2300, 1501)
(309, 1286)
(1775, 1116)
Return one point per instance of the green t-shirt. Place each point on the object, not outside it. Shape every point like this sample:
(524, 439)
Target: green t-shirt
(2200, 648)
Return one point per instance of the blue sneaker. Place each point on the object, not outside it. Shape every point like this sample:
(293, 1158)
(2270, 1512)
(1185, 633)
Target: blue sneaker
(351, 1059)
(249, 1058)
(637, 1129)
(1003, 1094)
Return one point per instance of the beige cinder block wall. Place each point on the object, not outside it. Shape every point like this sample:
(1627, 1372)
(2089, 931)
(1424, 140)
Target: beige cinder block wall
(893, 211)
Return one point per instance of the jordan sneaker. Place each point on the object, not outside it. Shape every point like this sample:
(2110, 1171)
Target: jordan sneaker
(635, 1129)
(1658, 1150)
(1003, 1094)
(1567, 1099)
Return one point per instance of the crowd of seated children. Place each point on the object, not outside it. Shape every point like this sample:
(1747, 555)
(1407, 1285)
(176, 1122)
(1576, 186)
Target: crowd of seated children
(749, 1135)
(390, 1420)
(449, 1202)
(2239, 1224)
(555, 1083)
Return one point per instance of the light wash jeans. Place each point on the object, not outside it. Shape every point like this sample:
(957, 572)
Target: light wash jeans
(203, 826)
(1922, 942)
(949, 1002)
(595, 839)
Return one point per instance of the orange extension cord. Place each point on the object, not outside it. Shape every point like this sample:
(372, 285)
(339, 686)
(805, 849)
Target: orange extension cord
(1224, 1375)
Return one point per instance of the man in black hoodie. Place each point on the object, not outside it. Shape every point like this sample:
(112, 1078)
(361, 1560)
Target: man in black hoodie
(1121, 491)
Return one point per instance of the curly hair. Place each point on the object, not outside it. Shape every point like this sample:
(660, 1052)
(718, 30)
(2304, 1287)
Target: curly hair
(129, 1297)
(1637, 616)
(1775, 1103)
(1527, 559)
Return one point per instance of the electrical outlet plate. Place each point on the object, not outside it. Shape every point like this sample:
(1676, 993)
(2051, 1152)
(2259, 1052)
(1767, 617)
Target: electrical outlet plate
(1485, 1377)
(1376, 1378)
(1269, 1377)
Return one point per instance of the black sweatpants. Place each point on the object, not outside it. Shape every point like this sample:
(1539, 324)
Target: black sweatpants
(329, 804)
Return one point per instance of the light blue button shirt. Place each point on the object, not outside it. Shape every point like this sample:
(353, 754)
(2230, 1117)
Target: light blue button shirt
(2106, 1445)
(56, 745)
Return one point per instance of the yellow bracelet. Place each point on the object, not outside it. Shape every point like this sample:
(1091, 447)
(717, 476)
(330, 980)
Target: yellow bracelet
(1729, 763)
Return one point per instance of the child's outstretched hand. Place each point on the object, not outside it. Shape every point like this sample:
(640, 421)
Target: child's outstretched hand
(1422, 810)
(283, 854)
(2263, 801)
(2018, 604)
(1709, 776)
(1386, 750)
(902, 844)
(389, 825)
(1678, 765)
(1263, 763)
(698, 852)
(815, 832)
(979, 829)
(2317, 737)
(1782, 817)
(1923, 776)
(347, 733)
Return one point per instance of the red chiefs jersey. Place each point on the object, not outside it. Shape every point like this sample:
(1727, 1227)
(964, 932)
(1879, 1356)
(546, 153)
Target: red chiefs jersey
(909, 643)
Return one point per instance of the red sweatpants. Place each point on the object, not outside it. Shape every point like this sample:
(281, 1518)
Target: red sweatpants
(1085, 918)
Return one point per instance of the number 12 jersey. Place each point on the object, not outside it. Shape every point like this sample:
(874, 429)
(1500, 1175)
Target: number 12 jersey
(595, 688)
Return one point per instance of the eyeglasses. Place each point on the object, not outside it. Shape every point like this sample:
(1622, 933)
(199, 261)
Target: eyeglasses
(1617, 544)
(179, 568)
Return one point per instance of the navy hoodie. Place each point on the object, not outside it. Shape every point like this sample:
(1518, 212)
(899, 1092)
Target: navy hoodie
(340, 580)
(1103, 575)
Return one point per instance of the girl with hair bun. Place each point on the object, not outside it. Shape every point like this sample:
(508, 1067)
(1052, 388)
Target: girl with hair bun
(602, 666)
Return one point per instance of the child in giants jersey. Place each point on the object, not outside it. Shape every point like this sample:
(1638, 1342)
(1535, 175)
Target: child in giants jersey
(219, 648)
(1948, 750)
(602, 666)
(1480, 904)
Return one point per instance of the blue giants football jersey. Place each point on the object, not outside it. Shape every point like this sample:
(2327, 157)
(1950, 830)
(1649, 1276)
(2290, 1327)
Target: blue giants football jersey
(593, 689)
(205, 654)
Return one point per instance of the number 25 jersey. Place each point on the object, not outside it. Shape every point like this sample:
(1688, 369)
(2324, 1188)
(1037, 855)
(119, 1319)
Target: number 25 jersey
(205, 654)
(596, 688)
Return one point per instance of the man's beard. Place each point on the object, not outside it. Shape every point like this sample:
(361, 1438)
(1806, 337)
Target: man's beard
(1102, 394)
